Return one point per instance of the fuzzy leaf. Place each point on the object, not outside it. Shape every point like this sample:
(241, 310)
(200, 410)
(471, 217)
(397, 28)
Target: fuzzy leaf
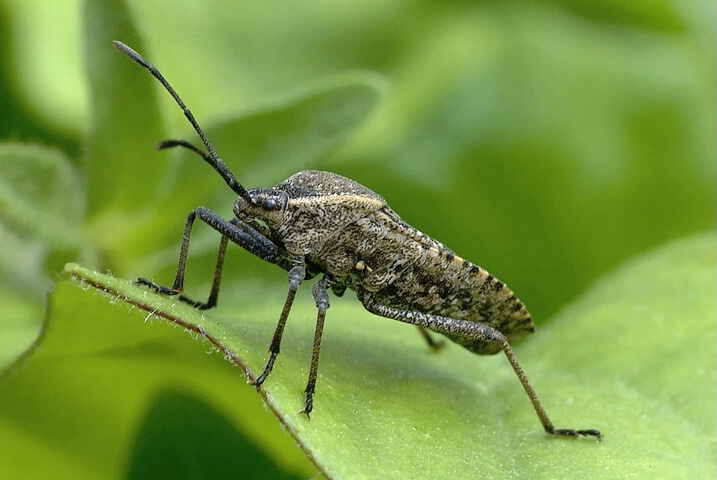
(41, 194)
(634, 357)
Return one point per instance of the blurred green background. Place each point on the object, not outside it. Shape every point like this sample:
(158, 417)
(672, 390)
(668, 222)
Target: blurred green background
(546, 141)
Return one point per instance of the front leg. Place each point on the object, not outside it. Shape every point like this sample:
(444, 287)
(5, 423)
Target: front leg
(477, 331)
(235, 230)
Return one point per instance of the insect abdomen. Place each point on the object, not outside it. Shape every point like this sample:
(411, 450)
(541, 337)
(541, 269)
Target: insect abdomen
(441, 283)
(401, 267)
(393, 264)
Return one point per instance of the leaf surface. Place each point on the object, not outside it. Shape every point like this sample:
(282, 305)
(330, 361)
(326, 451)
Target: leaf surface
(386, 405)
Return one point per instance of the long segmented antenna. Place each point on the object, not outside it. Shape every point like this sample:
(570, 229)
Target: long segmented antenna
(212, 158)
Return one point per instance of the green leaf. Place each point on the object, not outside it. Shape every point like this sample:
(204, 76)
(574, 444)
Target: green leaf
(42, 208)
(634, 357)
(652, 322)
(549, 154)
(295, 131)
(41, 194)
(173, 442)
(84, 405)
(125, 123)
(20, 322)
(562, 140)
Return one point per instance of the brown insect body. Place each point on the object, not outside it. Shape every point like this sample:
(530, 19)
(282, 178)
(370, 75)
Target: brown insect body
(350, 233)
(322, 224)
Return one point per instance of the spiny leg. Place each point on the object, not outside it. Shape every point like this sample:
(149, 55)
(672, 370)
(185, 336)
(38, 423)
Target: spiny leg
(296, 275)
(478, 331)
(321, 297)
(178, 285)
(235, 230)
(214, 293)
(542, 414)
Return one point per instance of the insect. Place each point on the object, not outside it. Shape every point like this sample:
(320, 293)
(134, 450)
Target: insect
(320, 224)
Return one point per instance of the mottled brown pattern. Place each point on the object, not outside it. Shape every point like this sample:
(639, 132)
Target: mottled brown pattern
(350, 233)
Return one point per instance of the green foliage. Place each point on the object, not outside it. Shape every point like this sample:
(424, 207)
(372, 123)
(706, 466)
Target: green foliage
(550, 142)
(386, 406)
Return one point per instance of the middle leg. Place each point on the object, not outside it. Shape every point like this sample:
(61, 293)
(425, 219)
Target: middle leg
(321, 297)
(296, 276)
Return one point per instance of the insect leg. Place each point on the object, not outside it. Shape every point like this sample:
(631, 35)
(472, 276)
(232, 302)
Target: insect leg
(478, 331)
(321, 297)
(296, 275)
(236, 231)
(214, 293)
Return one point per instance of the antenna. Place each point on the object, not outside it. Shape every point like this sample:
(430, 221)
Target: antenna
(212, 158)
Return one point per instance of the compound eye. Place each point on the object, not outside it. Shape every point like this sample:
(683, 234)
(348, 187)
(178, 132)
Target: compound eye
(271, 204)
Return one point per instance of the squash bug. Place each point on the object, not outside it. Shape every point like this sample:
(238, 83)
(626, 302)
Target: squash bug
(320, 224)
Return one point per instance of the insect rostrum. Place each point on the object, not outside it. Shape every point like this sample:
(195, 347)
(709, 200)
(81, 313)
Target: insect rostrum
(320, 224)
